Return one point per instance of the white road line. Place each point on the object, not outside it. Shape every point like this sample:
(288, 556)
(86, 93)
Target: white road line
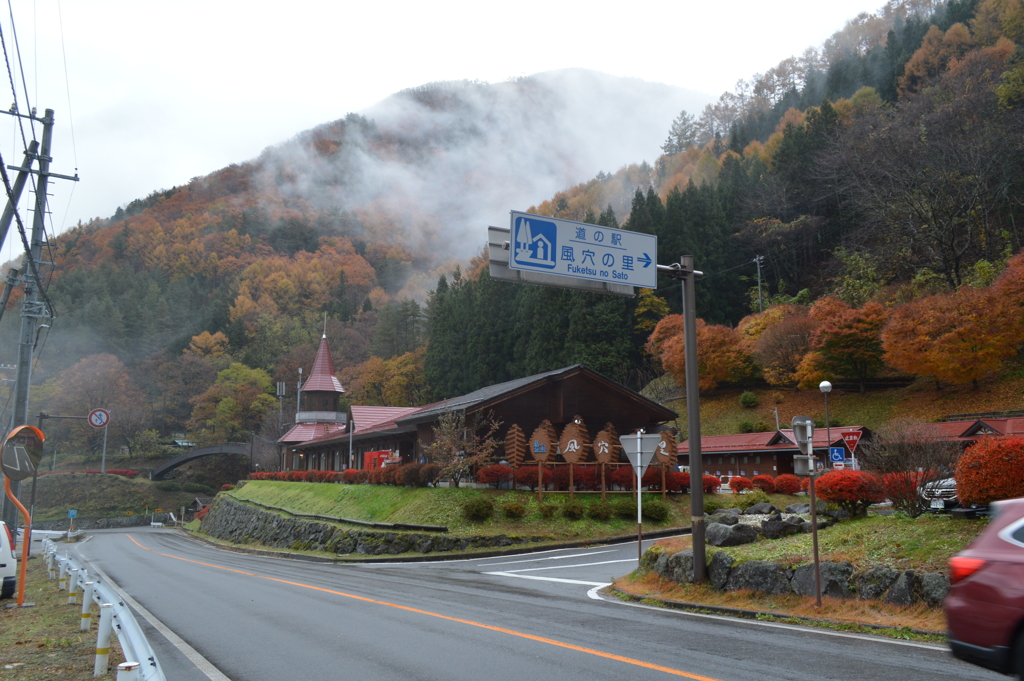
(204, 665)
(596, 585)
(562, 567)
(534, 560)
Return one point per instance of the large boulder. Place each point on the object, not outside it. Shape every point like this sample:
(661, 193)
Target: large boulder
(776, 529)
(761, 576)
(835, 580)
(733, 511)
(718, 534)
(679, 567)
(719, 569)
(874, 582)
(653, 560)
(762, 508)
(932, 587)
(723, 518)
(902, 591)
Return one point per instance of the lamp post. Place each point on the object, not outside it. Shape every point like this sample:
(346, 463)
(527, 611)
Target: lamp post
(826, 388)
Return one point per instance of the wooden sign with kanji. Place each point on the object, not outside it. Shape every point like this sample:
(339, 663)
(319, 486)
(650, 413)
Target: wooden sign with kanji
(666, 450)
(575, 442)
(606, 445)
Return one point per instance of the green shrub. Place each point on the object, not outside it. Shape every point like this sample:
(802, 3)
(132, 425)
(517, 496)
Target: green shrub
(514, 510)
(762, 426)
(712, 504)
(755, 496)
(745, 427)
(574, 509)
(478, 509)
(197, 488)
(601, 511)
(168, 486)
(547, 509)
(656, 510)
(748, 399)
(624, 507)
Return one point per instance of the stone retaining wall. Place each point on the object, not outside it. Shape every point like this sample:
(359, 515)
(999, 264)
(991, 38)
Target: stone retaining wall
(232, 521)
(838, 580)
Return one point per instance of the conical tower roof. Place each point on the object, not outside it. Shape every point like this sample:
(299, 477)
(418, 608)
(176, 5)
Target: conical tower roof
(321, 377)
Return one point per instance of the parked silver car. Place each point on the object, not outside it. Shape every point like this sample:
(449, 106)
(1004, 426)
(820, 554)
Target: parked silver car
(8, 563)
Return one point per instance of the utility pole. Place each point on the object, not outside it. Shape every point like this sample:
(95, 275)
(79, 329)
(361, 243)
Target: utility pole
(686, 274)
(760, 304)
(34, 312)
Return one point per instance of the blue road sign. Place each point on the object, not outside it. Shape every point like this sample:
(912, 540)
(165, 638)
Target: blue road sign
(72, 514)
(582, 251)
(837, 454)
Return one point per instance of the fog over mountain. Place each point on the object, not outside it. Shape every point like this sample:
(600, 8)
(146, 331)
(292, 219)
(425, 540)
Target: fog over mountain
(445, 160)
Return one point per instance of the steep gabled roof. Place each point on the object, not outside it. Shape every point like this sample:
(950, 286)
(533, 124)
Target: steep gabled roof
(321, 377)
(302, 432)
(480, 398)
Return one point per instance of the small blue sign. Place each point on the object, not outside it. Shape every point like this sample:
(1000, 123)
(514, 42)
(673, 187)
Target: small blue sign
(72, 514)
(836, 454)
(536, 242)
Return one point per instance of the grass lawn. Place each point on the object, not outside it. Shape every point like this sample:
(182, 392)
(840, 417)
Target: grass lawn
(443, 506)
(922, 544)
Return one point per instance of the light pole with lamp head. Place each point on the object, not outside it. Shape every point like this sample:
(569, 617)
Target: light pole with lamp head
(826, 388)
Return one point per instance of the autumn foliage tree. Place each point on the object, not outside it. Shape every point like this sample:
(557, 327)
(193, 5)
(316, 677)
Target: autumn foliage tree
(234, 405)
(462, 444)
(958, 337)
(991, 469)
(721, 357)
(846, 344)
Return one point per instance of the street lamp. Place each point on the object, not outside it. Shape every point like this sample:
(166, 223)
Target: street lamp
(826, 388)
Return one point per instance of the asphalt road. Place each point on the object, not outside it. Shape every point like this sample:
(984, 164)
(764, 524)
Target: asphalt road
(534, 616)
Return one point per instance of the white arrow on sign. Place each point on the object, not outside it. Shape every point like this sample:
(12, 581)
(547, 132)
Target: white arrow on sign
(99, 418)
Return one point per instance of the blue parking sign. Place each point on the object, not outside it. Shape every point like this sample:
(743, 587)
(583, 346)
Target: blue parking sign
(836, 454)
(72, 514)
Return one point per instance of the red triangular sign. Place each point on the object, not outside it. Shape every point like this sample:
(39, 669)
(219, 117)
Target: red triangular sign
(851, 438)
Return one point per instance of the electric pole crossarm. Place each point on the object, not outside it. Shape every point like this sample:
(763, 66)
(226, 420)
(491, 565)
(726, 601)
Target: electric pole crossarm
(73, 178)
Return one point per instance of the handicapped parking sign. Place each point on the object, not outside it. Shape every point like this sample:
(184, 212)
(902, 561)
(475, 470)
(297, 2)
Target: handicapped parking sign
(836, 454)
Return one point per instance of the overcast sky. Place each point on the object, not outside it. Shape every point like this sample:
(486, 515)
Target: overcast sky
(159, 91)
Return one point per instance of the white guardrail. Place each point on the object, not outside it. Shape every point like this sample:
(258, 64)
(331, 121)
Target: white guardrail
(141, 663)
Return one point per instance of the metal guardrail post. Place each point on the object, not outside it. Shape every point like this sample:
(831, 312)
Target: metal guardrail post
(72, 586)
(86, 607)
(62, 581)
(103, 640)
(133, 642)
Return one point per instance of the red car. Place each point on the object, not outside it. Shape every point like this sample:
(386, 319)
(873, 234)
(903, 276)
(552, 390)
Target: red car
(985, 605)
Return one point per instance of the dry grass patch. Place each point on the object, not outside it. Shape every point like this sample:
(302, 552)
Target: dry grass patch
(851, 612)
(43, 643)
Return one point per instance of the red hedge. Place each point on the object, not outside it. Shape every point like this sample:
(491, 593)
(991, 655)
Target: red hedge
(526, 476)
(494, 475)
(675, 481)
(711, 484)
(853, 491)
(738, 482)
(623, 477)
(764, 482)
(990, 470)
(787, 484)
(901, 489)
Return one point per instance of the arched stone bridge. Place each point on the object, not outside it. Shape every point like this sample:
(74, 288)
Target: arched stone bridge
(199, 452)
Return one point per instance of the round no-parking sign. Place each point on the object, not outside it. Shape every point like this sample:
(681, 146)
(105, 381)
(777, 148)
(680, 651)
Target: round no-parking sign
(99, 418)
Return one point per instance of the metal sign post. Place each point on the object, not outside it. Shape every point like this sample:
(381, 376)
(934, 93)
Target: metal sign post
(803, 431)
(100, 418)
(639, 449)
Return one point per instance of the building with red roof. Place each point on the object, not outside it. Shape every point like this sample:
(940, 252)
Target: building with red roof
(319, 399)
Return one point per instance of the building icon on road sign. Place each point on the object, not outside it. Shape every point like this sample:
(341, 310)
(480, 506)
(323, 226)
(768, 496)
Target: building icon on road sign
(536, 242)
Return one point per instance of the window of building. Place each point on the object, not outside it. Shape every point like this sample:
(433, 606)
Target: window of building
(746, 459)
(757, 459)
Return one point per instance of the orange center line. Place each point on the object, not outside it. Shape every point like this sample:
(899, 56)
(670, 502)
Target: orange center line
(481, 625)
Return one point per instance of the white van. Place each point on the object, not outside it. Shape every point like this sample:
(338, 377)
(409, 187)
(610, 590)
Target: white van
(8, 563)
